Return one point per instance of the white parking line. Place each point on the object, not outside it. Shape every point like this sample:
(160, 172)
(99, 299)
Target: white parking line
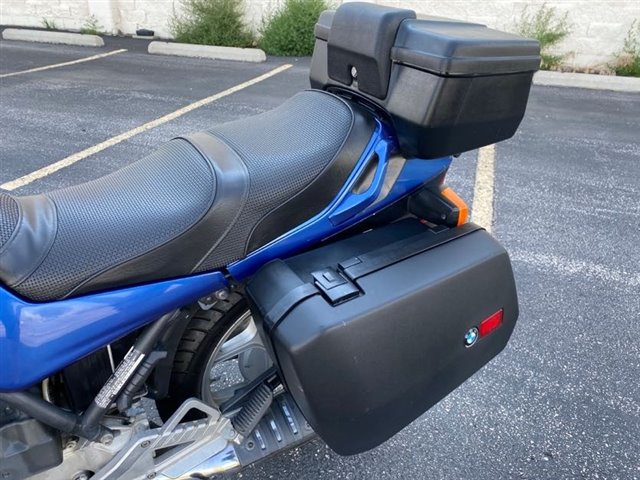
(76, 157)
(63, 64)
(482, 208)
(559, 264)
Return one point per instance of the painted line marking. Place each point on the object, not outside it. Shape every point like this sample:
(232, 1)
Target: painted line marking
(549, 262)
(64, 64)
(76, 157)
(482, 208)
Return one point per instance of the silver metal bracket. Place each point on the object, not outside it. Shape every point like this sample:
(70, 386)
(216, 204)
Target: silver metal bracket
(177, 450)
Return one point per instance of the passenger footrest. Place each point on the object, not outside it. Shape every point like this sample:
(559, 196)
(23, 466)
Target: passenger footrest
(282, 427)
(252, 411)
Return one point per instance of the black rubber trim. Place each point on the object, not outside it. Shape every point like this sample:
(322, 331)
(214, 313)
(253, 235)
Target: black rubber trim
(185, 252)
(289, 301)
(31, 240)
(319, 193)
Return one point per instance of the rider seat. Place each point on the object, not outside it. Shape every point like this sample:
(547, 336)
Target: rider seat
(197, 204)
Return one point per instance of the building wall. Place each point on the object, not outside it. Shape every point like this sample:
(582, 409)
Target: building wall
(67, 14)
(598, 27)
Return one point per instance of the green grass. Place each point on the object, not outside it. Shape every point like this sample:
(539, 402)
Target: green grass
(628, 60)
(548, 27)
(213, 22)
(289, 31)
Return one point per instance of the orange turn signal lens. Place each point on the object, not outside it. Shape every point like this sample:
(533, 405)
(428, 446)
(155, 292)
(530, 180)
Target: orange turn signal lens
(460, 204)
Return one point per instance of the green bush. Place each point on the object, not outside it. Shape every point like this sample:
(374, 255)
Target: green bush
(49, 24)
(91, 26)
(628, 60)
(212, 22)
(549, 28)
(290, 30)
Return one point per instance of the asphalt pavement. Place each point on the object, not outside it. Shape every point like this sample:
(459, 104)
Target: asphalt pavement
(563, 400)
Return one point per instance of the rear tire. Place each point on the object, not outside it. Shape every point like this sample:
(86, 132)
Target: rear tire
(202, 335)
(219, 352)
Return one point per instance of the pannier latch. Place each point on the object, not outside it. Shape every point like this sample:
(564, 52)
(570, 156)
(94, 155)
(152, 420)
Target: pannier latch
(334, 287)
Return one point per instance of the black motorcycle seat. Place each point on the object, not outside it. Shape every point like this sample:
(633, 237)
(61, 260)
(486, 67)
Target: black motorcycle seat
(197, 204)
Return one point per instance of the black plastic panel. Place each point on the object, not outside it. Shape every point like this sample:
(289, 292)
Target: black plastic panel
(436, 116)
(360, 39)
(453, 48)
(364, 368)
(28, 447)
(452, 86)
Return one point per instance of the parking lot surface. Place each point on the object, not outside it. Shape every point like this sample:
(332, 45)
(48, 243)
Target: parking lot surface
(563, 400)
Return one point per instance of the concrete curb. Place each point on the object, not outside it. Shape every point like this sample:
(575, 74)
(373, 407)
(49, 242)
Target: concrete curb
(207, 51)
(585, 80)
(43, 36)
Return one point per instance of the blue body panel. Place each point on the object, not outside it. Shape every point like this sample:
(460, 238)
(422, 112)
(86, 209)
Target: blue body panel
(39, 339)
(349, 208)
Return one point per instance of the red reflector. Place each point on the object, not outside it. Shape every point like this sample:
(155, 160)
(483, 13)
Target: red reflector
(490, 323)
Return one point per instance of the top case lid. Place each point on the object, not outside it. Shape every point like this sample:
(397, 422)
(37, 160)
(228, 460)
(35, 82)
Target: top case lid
(452, 48)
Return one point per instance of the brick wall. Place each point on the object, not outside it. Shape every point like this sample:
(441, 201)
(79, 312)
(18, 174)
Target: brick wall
(598, 26)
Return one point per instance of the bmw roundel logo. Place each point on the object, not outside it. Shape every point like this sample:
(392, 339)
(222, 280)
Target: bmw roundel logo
(471, 337)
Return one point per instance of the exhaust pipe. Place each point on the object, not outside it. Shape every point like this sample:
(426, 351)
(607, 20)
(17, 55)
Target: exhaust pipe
(225, 461)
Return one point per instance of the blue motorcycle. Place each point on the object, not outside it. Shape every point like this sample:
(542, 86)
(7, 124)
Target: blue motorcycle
(302, 272)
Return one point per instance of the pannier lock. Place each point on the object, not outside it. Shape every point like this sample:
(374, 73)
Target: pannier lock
(334, 287)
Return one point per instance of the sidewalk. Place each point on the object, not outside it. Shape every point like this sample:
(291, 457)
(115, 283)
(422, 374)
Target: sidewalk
(584, 80)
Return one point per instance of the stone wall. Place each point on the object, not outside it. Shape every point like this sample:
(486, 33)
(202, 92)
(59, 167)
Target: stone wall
(598, 27)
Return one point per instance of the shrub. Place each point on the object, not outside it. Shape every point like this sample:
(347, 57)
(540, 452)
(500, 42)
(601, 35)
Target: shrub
(290, 30)
(91, 26)
(628, 60)
(49, 24)
(549, 28)
(212, 22)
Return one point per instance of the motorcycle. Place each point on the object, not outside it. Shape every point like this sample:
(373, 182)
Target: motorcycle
(241, 290)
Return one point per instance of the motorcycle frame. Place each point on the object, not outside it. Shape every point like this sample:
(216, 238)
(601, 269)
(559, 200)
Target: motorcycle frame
(39, 339)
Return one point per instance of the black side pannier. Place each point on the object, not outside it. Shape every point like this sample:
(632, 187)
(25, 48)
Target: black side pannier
(447, 86)
(371, 331)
